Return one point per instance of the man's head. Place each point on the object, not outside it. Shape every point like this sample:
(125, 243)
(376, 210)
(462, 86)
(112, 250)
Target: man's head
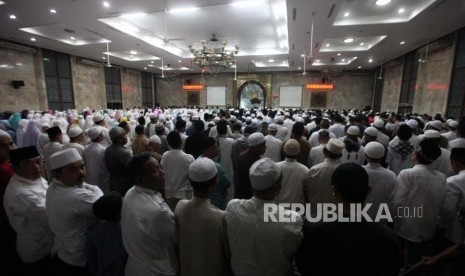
(76, 134)
(67, 166)
(291, 148)
(265, 177)
(323, 136)
(181, 125)
(108, 207)
(118, 136)
(222, 127)
(404, 133)
(374, 152)
(54, 134)
(139, 129)
(333, 148)
(370, 134)
(145, 171)
(350, 183)
(98, 119)
(257, 143)
(427, 152)
(155, 143)
(26, 162)
(6, 144)
(272, 129)
(297, 130)
(95, 133)
(209, 147)
(174, 140)
(203, 177)
(457, 159)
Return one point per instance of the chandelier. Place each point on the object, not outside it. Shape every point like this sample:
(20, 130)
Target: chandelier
(213, 56)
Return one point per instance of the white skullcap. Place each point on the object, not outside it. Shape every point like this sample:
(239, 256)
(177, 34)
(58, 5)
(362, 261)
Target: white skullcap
(74, 132)
(94, 132)
(264, 173)
(374, 150)
(335, 146)
(63, 158)
(273, 127)
(378, 124)
(233, 118)
(202, 169)
(353, 130)
(97, 117)
(248, 119)
(412, 123)
(436, 124)
(287, 114)
(300, 119)
(430, 133)
(279, 119)
(453, 124)
(292, 147)
(372, 131)
(155, 139)
(217, 119)
(255, 139)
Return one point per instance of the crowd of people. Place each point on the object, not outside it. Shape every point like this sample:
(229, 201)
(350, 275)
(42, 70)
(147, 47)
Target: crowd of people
(185, 190)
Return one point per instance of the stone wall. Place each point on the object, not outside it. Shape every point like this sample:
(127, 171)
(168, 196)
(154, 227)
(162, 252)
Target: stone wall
(131, 88)
(88, 86)
(391, 87)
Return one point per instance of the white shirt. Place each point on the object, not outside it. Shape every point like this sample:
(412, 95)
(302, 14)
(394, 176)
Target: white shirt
(50, 148)
(24, 203)
(454, 201)
(450, 135)
(224, 153)
(383, 138)
(319, 182)
(355, 157)
(338, 129)
(417, 187)
(316, 155)
(281, 134)
(42, 140)
(457, 143)
(443, 164)
(293, 182)
(273, 148)
(288, 123)
(175, 165)
(96, 169)
(69, 213)
(257, 247)
(149, 234)
(382, 183)
(396, 163)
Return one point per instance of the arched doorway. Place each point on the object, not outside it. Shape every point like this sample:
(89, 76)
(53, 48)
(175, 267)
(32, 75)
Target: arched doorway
(252, 94)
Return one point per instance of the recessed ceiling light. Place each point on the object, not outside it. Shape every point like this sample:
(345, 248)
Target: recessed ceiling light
(402, 42)
(348, 40)
(133, 52)
(73, 38)
(359, 67)
(317, 60)
(12, 16)
(106, 4)
(179, 61)
(298, 68)
(327, 45)
(284, 62)
(343, 60)
(53, 11)
(151, 61)
(33, 39)
(131, 56)
(370, 60)
(346, 14)
(104, 58)
(302, 55)
(1, 3)
(382, 2)
(361, 43)
(401, 10)
(338, 54)
(271, 60)
(145, 68)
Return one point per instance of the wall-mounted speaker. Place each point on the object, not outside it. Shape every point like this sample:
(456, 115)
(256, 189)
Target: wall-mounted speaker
(17, 83)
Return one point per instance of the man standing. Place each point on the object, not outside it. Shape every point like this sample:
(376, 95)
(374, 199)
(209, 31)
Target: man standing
(94, 160)
(203, 242)
(24, 203)
(259, 246)
(273, 144)
(147, 223)
(116, 159)
(69, 203)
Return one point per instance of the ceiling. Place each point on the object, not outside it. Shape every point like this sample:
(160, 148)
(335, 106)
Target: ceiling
(273, 35)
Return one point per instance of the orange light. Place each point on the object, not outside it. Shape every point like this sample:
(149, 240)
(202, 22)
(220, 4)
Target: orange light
(191, 87)
(436, 86)
(320, 86)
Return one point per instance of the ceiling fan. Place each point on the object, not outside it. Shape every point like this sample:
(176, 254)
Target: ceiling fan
(108, 63)
(165, 39)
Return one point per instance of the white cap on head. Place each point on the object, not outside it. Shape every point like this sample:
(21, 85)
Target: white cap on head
(202, 169)
(292, 147)
(431, 133)
(453, 124)
(300, 119)
(248, 119)
(279, 119)
(372, 131)
(374, 150)
(255, 139)
(378, 124)
(273, 127)
(155, 139)
(412, 123)
(63, 158)
(97, 117)
(353, 130)
(94, 132)
(74, 132)
(264, 173)
(335, 146)
(436, 124)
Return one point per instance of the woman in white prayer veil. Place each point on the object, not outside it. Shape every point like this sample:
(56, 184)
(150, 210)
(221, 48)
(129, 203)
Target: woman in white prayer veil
(32, 133)
(20, 132)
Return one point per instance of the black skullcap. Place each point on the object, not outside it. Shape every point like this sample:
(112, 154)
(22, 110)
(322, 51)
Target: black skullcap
(430, 150)
(208, 142)
(248, 130)
(457, 154)
(351, 182)
(20, 154)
